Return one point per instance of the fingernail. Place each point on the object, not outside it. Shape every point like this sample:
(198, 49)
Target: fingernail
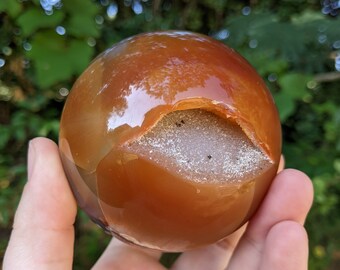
(30, 159)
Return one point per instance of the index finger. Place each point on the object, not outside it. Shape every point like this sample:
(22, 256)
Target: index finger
(289, 199)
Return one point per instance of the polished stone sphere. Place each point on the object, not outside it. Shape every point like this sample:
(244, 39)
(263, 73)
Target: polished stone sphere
(170, 140)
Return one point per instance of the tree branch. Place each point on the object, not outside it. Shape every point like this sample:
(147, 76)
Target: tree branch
(327, 77)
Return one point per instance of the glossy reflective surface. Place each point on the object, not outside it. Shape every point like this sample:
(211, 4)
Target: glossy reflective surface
(121, 96)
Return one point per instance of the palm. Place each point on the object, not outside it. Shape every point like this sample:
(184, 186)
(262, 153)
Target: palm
(274, 238)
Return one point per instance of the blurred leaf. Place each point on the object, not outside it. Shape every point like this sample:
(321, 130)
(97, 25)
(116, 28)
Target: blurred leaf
(282, 36)
(49, 127)
(307, 16)
(266, 63)
(337, 165)
(56, 59)
(81, 25)
(84, 7)
(49, 52)
(325, 201)
(285, 105)
(4, 136)
(79, 55)
(19, 169)
(242, 27)
(34, 19)
(82, 22)
(217, 5)
(12, 7)
(325, 107)
(194, 20)
(294, 85)
(33, 103)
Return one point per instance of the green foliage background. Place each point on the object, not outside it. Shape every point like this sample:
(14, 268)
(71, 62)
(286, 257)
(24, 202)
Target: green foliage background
(292, 44)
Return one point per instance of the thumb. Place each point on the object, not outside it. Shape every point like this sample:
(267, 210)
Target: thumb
(43, 233)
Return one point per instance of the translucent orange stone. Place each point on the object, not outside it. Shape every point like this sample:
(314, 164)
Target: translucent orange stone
(170, 140)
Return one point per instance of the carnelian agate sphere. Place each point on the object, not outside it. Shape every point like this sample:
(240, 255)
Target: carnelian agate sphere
(129, 147)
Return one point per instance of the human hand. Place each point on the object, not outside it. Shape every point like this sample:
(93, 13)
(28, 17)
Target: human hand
(43, 232)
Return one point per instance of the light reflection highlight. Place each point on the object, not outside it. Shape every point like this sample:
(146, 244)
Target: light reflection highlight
(222, 34)
(60, 30)
(137, 7)
(134, 114)
(322, 39)
(331, 7)
(48, 5)
(336, 44)
(7, 51)
(246, 11)
(2, 62)
(99, 19)
(337, 62)
(253, 43)
(91, 42)
(27, 46)
(104, 2)
(112, 11)
(272, 77)
(64, 92)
